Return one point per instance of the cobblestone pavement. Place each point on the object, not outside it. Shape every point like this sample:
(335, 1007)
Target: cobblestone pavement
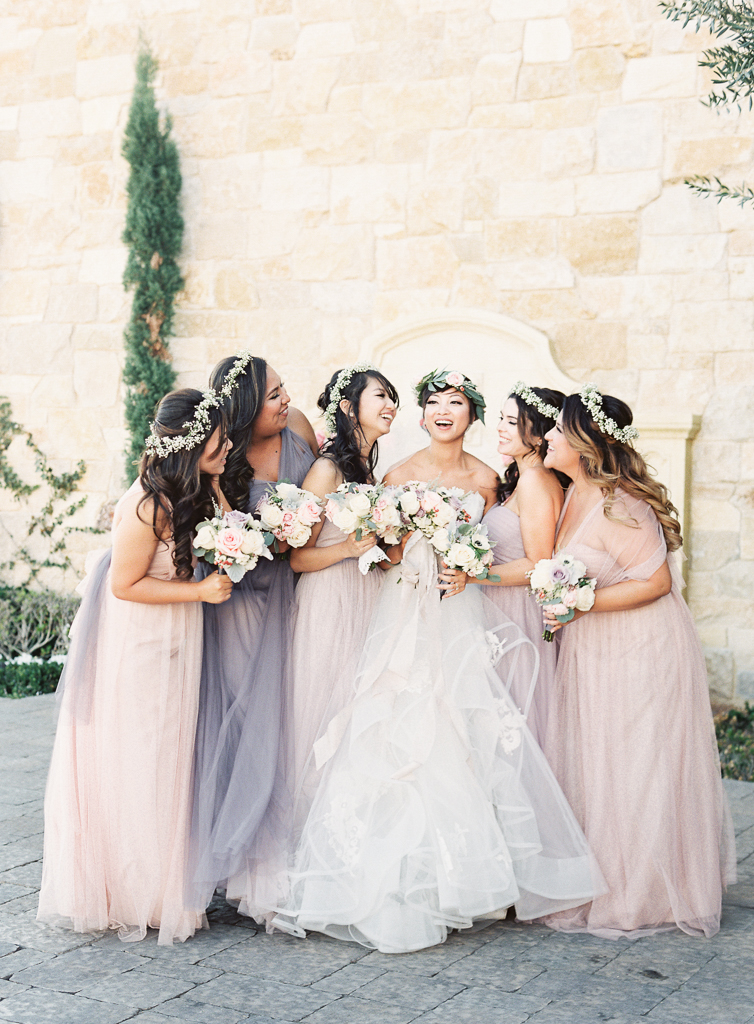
(505, 974)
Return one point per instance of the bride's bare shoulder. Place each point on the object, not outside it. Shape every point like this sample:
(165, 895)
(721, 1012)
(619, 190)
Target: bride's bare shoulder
(405, 470)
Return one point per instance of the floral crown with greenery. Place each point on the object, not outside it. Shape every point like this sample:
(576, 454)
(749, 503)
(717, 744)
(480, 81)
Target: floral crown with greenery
(341, 383)
(531, 398)
(591, 399)
(439, 380)
(198, 426)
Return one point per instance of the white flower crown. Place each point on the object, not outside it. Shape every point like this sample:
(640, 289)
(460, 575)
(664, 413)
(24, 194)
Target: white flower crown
(341, 382)
(525, 392)
(591, 399)
(198, 426)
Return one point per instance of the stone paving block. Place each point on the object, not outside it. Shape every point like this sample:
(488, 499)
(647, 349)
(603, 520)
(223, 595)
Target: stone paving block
(203, 944)
(506, 975)
(713, 1003)
(736, 789)
(283, 958)
(604, 995)
(37, 1006)
(281, 1002)
(22, 904)
(9, 891)
(416, 993)
(137, 989)
(76, 970)
(353, 1010)
(7, 947)
(183, 972)
(27, 931)
(15, 855)
(477, 1005)
(429, 961)
(12, 963)
(29, 874)
(641, 961)
(10, 988)
(348, 979)
(187, 1008)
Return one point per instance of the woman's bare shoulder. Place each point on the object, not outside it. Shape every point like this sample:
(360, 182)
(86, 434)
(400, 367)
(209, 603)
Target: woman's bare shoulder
(405, 470)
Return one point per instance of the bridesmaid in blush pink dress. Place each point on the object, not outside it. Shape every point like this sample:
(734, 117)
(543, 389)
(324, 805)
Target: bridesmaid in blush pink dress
(630, 734)
(522, 529)
(118, 797)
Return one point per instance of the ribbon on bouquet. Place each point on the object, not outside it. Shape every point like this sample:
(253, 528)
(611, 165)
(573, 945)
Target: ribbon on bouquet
(370, 558)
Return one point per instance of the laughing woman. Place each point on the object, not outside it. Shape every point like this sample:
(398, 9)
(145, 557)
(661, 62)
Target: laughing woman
(630, 736)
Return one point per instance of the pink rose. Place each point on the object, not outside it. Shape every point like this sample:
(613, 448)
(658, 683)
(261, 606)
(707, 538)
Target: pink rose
(229, 541)
(557, 609)
(569, 599)
(289, 518)
(309, 513)
(454, 378)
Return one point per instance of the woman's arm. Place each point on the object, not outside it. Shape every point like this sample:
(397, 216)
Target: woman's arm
(134, 545)
(622, 597)
(323, 478)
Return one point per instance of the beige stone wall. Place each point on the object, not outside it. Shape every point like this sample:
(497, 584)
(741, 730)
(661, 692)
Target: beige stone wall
(351, 162)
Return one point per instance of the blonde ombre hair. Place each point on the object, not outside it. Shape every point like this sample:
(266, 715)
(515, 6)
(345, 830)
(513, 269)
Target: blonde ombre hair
(610, 463)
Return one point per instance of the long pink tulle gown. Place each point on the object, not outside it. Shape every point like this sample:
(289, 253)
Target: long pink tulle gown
(631, 741)
(117, 803)
(504, 530)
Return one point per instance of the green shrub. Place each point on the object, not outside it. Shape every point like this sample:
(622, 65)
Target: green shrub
(27, 678)
(34, 622)
(735, 740)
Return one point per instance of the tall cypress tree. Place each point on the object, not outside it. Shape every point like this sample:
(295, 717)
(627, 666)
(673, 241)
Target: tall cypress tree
(154, 233)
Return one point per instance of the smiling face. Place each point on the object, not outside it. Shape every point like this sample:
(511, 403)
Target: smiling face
(447, 415)
(212, 459)
(273, 415)
(376, 409)
(511, 444)
(560, 455)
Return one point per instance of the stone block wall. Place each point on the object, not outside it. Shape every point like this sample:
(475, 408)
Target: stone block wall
(351, 162)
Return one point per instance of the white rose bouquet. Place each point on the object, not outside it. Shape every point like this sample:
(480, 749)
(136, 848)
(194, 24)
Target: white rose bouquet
(233, 541)
(289, 513)
(561, 584)
(430, 509)
(467, 548)
(367, 508)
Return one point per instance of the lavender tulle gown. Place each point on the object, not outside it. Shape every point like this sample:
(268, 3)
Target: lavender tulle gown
(631, 741)
(504, 530)
(118, 799)
(239, 797)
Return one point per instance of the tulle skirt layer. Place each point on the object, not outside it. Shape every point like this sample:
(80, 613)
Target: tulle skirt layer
(435, 806)
(632, 743)
(117, 803)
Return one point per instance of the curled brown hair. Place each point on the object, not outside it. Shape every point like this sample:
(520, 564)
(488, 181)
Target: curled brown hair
(244, 405)
(532, 424)
(174, 484)
(610, 463)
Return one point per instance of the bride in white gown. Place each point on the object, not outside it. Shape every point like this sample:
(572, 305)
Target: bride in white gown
(435, 807)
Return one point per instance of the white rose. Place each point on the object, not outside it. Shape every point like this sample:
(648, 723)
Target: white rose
(391, 538)
(287, 490)
(253, 543)
(345, 520)
(359, 503)
(271, 516)
(391, 516)
(205, 539)
(440, 540)
(444, 515)
(409, 502)
(461, 556)
(430, 500)
(540, 574)
(584, 598)
(299, 535)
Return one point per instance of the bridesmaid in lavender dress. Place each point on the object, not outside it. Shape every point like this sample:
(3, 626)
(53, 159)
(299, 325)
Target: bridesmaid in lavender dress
(118, 800)
(522, 529)
(239, 806)
(630, 734)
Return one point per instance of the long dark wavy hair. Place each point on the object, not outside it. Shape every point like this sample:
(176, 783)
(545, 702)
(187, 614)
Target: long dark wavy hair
(179, 491)
(242, 409)
(610, 463)
(532, 425)
(344, 449)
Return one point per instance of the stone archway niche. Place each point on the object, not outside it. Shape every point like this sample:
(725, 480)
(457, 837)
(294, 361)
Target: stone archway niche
(495, 351)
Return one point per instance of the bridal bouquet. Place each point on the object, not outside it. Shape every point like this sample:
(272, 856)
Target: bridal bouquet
(233, 541)
(366, 508)
(429, 509)
(467, 548)
(561, 584)
(289, 512)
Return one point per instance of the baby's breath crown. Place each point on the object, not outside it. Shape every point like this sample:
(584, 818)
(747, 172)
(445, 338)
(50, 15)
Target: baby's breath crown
(341, 383)
(525, 392)
(198, 426)
(591, 399)
(437, 380)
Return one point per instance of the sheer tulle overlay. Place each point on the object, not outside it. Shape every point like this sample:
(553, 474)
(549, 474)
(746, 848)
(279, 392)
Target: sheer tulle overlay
(504, 529)
(435, 806)
(632, 743)
(240, 802)
(118, 795)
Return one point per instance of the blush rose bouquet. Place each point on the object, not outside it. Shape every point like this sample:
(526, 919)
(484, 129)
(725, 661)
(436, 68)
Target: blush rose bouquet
(233, 541)
(367, 508)
(561, 584)
(467, 548)
(289, 513)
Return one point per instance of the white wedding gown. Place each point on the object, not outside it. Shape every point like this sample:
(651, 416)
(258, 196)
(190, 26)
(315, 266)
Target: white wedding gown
(435, 806)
